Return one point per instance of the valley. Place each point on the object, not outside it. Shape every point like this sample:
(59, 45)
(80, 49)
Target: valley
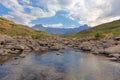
(50, 57)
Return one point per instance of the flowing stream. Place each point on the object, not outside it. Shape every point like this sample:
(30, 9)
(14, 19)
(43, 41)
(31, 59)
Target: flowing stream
(70, 65)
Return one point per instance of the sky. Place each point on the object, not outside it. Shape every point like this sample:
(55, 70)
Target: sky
(60, 13)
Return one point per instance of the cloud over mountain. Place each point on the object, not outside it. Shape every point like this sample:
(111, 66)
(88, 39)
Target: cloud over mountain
(91, 12)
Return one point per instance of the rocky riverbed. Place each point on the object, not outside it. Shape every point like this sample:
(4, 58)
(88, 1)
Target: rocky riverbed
(21, 46)
(109, 47)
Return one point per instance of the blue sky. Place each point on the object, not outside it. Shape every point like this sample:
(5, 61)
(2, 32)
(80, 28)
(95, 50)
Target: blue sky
(60, 13)
(58, 18)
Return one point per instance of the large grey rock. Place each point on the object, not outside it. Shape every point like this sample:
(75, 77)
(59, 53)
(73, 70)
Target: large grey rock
(113, 49)
(56, 46)
(14, 52)
(42, 43)
(117, 38)
(3, 52)
(115, 55)
(18, 47)
(43, 49)
(23, 55)
(5, 39)
(86, 46)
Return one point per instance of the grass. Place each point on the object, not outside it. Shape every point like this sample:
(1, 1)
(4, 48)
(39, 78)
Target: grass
(103, 30)
(10, 28)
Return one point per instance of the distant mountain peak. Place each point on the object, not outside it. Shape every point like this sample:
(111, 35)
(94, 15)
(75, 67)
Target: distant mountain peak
(59, 31)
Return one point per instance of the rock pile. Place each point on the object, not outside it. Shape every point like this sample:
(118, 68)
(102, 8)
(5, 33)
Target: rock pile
(109, 47)
(22, 45)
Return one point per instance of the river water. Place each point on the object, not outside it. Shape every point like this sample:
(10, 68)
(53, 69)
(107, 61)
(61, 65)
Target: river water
(70, 65)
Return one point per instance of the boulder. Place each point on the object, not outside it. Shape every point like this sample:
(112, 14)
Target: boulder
(3, 52)
(36, 48)
(57, 53)
(86, 46)
(5, 39)
(113, 49)
(56, 47)
(18, 47)
(117, 38)
(43, 49)
(14, 52)
(61, 51)
(115, 55)
(42, 43)
(23, 55)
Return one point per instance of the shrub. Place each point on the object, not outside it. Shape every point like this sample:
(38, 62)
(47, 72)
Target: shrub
(97, 35)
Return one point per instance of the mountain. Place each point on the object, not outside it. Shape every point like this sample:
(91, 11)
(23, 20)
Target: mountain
(59, 31)
(103, 30)
(10, 28)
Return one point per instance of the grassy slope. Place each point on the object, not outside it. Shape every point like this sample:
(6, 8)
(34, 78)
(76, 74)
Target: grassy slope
(109, 29)
(12, 29)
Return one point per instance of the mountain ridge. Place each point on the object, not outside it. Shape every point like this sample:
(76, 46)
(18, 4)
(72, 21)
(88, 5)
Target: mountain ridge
(59, 31)
(105, 29)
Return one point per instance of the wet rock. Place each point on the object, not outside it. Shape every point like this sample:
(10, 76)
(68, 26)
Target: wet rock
(14, 52)
(85, 46)
(113, 49)
(30, 47)
(16, 62)
(115, 55)
(112, 59)
(56, 47)
(61, 51)
(57, 53)
(18, 47)
(117, 38)
(5, 39)
(15, 58)
(43, 49)
(23, 55)
(95, 50)
(42, 43)
(36, 48)
(66, 42)
(27, 49)
(3, 52)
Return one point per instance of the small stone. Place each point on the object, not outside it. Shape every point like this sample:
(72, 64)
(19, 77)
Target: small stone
(23, 55)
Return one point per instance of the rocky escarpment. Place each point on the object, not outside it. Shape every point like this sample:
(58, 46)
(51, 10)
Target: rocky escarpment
(109, 47)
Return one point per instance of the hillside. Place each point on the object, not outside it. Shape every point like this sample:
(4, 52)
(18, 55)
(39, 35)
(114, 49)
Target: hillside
(60, 31)
(10, 28)
(106, 29)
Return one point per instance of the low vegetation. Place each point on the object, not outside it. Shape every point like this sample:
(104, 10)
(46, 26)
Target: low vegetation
(103, 30)
(10, 28)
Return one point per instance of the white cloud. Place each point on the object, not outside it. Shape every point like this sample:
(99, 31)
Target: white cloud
(91, 12)
(72, 26)
(25, 1)
(19, 15)
(54, 25)
(94, 12)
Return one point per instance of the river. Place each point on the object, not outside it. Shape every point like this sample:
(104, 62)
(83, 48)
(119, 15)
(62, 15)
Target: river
(70, 65)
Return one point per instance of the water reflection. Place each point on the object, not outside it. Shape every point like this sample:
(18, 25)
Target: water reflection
(68, 66)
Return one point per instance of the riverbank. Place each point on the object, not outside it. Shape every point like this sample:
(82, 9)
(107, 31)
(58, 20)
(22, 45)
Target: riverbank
(109, 47)
(21, 46)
